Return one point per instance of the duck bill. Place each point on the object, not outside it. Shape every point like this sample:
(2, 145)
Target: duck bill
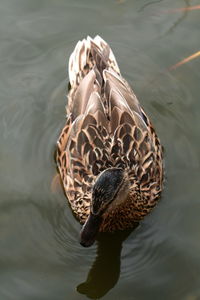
(90, 230)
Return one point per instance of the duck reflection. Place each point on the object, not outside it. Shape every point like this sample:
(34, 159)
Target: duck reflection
(105, 271)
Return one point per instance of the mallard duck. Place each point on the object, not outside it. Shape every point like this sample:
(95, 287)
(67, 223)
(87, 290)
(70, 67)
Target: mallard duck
(108, 154)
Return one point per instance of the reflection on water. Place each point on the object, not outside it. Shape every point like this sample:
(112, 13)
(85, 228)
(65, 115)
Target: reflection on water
(105, 270)
(40, 256)
(180, 19)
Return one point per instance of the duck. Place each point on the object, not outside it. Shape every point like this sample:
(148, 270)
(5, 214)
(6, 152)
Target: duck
(109, 156)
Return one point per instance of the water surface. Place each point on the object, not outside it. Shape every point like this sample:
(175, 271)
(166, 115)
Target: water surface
(40, 257)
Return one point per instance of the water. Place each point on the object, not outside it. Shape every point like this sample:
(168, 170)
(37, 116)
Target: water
(40, 257)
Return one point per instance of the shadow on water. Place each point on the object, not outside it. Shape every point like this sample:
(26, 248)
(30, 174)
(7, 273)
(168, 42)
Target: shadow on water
(105, 271)
(179, 20)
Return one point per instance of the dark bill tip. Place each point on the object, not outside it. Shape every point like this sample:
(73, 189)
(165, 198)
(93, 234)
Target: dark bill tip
(89, 230)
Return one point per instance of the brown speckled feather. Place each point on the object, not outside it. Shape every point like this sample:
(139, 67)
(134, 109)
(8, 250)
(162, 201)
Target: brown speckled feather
(106, 127)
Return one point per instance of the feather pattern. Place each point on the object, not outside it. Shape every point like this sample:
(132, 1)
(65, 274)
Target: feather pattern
(106, 127)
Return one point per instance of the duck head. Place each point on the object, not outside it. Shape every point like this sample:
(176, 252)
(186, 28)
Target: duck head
(109, 190)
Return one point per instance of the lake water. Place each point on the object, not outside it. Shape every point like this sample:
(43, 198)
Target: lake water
(40, 257)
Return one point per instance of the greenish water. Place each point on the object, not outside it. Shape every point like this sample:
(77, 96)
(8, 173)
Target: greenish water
(40, 257)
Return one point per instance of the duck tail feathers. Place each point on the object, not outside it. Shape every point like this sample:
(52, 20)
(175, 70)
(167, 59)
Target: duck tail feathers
(90, 54)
